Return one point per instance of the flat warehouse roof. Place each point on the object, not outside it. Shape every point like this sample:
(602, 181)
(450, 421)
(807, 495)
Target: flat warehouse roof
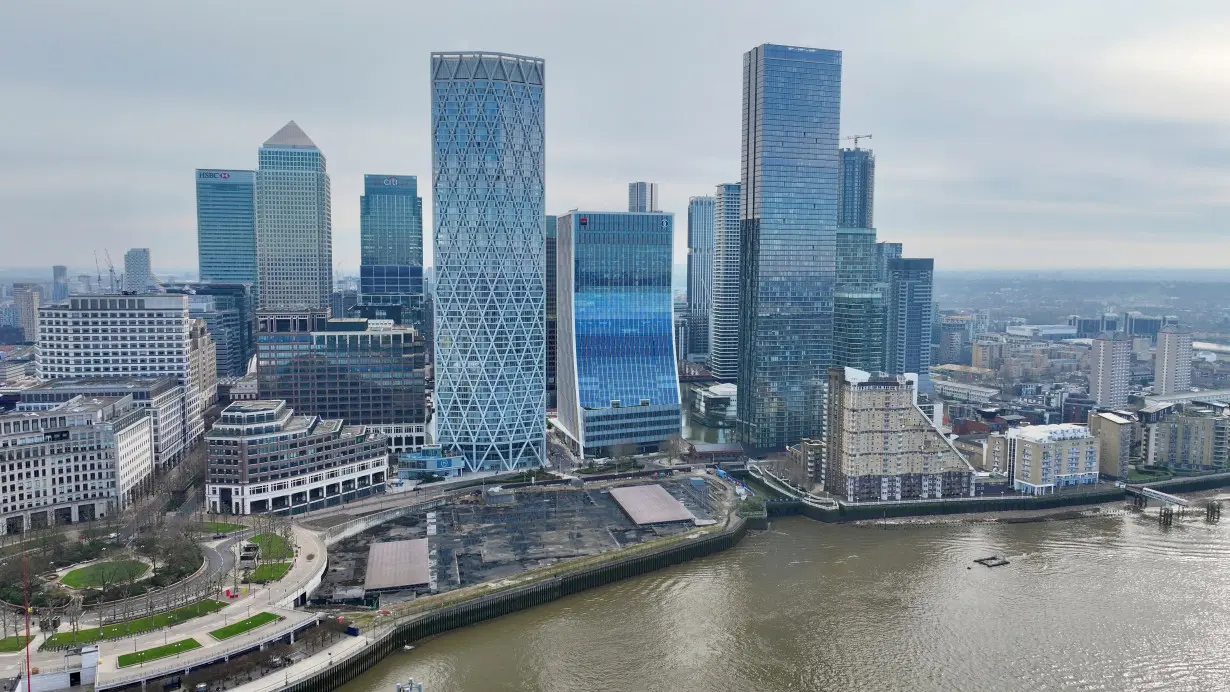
(397, 565)
(650, 504)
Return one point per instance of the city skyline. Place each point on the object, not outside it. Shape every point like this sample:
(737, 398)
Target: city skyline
(1085, 143)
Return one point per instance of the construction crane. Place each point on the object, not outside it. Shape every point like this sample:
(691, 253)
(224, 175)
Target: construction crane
(856, 138)
(98, 270)
(110, 270)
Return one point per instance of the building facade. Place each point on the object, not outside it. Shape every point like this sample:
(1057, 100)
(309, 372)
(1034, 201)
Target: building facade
(138, 273)
(82, 460)
(856, 188)
(364, 372)
(552, 320)
(1115, 433)
(28, 298)
(59, 283)
(229, 312)
(391, 233)
(1042, 458)
(701, 219)
(127, 336)
(618, 383)
(859, 307)
(1172, 366)
(880, 446)
(162, 397)
(489, 288)
(226, 226)
(264, 458)
(294, 228)
(1111, 369)
(1191, 439)
(724, 315)
(910, 309)
(643, 196)
(791, 117)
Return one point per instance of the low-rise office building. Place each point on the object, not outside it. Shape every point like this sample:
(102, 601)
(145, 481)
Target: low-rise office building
(1041, 458)
(882, 447)
(79, 461)
(430, 461)
(264, 458)
(163, 397)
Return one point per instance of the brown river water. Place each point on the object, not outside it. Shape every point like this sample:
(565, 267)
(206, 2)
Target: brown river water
(1112, 603)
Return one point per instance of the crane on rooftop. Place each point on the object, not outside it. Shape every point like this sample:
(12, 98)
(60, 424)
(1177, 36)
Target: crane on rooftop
(855, 138)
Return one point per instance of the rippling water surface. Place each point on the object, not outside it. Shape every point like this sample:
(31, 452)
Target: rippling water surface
(1102, 604)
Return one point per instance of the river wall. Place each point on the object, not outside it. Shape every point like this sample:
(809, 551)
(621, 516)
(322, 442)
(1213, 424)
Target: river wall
(851, 512)
(493, 606)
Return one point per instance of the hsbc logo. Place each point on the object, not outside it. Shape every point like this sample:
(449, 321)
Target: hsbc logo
(224, 176)
(213, 175)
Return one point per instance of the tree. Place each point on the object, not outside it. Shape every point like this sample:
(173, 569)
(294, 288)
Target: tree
(675, 448)
(622, 454)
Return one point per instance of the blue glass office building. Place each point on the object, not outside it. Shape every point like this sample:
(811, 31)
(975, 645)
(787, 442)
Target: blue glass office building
(701, 218)
(489, 288)
(910, 288)
(226, 226)
(391, 236)
(618, 385)
(791, 115)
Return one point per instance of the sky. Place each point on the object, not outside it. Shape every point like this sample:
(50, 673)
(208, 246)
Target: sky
(1007, 135)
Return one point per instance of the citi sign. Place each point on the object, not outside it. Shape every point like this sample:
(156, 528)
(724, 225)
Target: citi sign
(391, 181)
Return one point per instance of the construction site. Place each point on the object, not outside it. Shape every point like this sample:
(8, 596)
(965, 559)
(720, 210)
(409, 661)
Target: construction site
(496, 534)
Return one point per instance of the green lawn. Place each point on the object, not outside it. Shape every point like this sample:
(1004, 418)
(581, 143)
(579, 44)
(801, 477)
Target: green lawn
(157, 652)
(220, 527)
(11, 644)
(270, 571)
(153, 622)
(242, 626)
(273, 547)
(109, 572)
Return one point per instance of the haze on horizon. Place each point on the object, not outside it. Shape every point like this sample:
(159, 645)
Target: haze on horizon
(1055, 135)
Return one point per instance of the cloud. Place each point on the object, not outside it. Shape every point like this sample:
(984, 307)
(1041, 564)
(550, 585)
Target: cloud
(999, 129)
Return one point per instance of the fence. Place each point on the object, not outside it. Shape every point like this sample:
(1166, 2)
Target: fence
(889, 510)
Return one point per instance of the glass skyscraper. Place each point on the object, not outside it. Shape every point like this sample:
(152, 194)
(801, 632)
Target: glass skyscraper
(489, 288)
(909, 318)
(294, 231)
(701, 212)
(552, 322)
(618, 383)
(643, 196)
(859, 309)
(229, 312)
(857, 187)
(226, 226)
(791, 115)
(724, 316)
(59, 283)
(391, 234)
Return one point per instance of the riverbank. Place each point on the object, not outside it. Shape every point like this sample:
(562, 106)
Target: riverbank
(1106, 509)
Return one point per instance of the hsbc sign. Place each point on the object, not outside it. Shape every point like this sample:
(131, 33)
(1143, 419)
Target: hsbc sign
(213, 175)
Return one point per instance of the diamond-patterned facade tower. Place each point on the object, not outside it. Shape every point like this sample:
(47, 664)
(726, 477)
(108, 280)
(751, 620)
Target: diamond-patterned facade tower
(487, 131)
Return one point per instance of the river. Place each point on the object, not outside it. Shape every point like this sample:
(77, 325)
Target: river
(1113, 603)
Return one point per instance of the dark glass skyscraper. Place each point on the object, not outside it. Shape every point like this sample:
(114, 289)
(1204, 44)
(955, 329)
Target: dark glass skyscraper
(489, 289)
(229, 311)
(552, 324)
(701, 216)
(391, 235)
(791, 117)
(856, 189)
(226, 226)
(859, 309)
(618, 383)
(909, 318)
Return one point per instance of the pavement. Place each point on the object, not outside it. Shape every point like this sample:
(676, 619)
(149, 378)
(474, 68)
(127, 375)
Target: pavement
(276, 598)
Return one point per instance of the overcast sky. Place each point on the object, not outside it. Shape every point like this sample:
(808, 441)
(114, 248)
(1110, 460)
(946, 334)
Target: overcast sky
(1015, 135)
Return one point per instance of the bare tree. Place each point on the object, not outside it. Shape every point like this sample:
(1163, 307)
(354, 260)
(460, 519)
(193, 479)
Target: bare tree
(675, 447)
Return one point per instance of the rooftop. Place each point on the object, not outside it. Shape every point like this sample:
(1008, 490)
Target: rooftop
(650, 504)
(397, 565)
(1050, 433)
(290, 136)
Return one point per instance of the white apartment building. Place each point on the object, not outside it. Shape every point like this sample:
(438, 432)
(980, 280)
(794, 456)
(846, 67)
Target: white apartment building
(80, 461)
(1111, 369)
(127, 336)
(1172, 367)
